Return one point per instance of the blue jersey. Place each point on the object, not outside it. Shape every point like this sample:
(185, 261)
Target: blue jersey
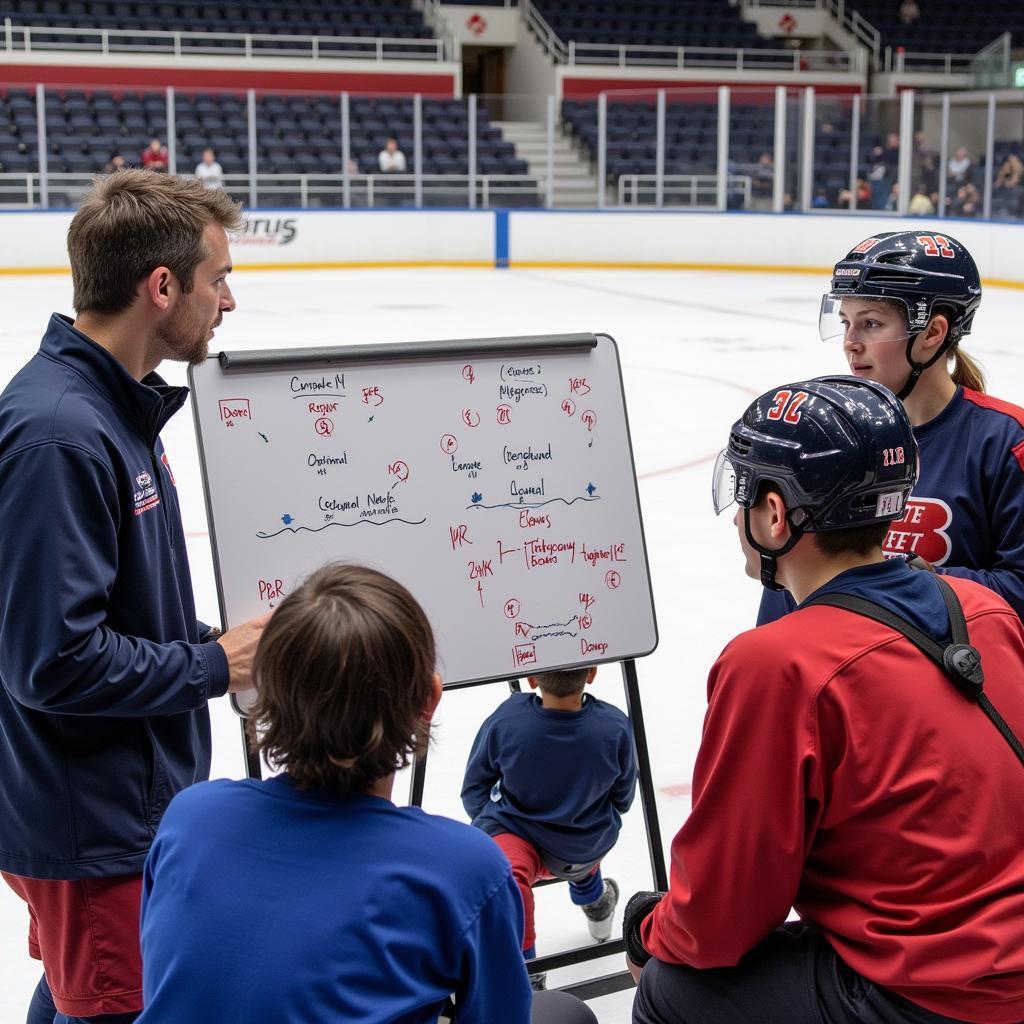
(264, 902)
(559, 779)
(966, 515)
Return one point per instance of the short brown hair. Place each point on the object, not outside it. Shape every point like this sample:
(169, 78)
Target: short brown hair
(134, 221)
(343, 672)
(563, 684)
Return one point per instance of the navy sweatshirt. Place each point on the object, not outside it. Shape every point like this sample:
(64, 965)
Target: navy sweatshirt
(559, 779)
(966, 515)
(103, 680)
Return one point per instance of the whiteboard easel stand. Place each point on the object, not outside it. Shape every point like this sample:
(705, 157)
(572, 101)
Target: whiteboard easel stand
(592, 988)
(547, 345)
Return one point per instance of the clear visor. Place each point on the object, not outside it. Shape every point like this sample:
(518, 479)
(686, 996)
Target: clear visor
(723, 483)
(862, 317)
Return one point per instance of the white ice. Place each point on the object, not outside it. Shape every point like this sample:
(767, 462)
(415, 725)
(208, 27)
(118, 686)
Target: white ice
(695, 348)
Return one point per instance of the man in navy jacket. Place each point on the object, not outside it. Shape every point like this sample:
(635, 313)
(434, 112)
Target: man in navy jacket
(105, 672)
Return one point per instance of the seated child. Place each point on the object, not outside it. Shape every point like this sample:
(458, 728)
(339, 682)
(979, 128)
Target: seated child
(310, 896)
(549, 778)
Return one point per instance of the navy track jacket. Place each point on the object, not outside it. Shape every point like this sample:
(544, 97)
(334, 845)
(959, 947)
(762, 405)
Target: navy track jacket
(103, 680)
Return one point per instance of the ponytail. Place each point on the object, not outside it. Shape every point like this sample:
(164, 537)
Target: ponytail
(966, 371)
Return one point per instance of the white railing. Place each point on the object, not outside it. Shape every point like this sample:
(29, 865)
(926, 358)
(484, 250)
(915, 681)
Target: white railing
(39, 39)
(694, 191)
(686, 57)
(22, 190)
(722, 58)
(899, 60)
(435, 20)
(859, 27)
(553, 46)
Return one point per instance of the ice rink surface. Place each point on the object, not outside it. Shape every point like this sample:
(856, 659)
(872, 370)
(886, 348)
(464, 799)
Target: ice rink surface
(695, 349)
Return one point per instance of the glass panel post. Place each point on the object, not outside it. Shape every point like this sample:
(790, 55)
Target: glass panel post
(602, 148)
(253, 191)
(417, 142)
(779, 182)
(659, 151)
(346, 153)
(472, 152)
(944, 157)
(41, 157)
(906, 151)
(722, 198)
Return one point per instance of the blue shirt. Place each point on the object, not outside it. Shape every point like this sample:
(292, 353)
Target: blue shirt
(911, 594)
(265, 902)
(103, 680)
(559, 779)
(966, 515)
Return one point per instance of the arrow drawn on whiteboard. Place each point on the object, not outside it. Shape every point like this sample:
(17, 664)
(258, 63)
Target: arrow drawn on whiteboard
(534, 504)
(358, 522)
(264, 436)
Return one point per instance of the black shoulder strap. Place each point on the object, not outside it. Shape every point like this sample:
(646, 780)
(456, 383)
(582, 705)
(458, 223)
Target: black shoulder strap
(959, 660)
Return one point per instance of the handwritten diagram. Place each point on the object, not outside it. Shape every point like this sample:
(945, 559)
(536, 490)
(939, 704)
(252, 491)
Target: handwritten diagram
(500, 490)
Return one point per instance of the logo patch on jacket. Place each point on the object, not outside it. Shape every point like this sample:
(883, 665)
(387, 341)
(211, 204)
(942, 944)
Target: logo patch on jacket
(146, 496)
(921, 531)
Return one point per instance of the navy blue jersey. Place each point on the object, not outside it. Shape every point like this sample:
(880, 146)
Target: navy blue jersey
(559, 779)
(966, 515)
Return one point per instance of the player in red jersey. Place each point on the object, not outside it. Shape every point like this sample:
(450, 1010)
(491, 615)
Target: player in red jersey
(900, 303)
(849, 768)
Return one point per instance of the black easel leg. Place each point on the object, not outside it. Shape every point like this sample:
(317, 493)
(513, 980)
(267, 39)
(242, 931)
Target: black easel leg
(646, 782)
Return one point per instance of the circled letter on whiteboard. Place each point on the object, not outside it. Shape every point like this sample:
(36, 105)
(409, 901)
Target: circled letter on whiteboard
(613, 579)
(449, 444)
(589, 418)
(468, 373)
(504, 414)
(569, 407)
(324, 426)
(512, 608)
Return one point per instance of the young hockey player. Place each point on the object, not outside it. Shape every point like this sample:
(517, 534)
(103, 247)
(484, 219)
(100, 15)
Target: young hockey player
(901, 303)
(850, 765)
(549, 778)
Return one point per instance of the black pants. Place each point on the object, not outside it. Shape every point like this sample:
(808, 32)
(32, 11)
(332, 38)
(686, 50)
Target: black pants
(793, 977)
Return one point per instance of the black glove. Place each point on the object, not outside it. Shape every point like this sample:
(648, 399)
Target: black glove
(639, 906)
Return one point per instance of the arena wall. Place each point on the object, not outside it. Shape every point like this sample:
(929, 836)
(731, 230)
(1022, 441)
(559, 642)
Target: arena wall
(34, 242)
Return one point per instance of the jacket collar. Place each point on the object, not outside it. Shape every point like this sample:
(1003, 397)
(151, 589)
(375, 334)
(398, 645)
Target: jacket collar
(148, 404)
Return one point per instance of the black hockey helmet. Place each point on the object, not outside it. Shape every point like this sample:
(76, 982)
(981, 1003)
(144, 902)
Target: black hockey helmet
(916, 268)
(840, 451)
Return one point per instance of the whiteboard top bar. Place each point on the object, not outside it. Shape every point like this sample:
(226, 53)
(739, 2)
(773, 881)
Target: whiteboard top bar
(253, 359)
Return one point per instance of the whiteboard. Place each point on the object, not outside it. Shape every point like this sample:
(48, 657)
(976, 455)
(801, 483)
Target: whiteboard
(493, 477)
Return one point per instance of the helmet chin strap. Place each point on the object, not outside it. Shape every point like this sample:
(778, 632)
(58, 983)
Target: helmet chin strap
(769, 558)
(916, 369)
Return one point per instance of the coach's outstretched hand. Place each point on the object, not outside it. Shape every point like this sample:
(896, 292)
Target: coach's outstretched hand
(240, 646)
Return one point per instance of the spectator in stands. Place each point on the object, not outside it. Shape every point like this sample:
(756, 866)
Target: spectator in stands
(967, 201)
(1007, 188)
(209, 171)
(865, 195)
(891, 151)
(762, 185)
(154, 156)
(960, 166)
(116, 163)
(921, 203)
(909, 12)
(391, 159)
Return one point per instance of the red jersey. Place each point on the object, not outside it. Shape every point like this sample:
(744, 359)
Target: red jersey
(842, 774)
